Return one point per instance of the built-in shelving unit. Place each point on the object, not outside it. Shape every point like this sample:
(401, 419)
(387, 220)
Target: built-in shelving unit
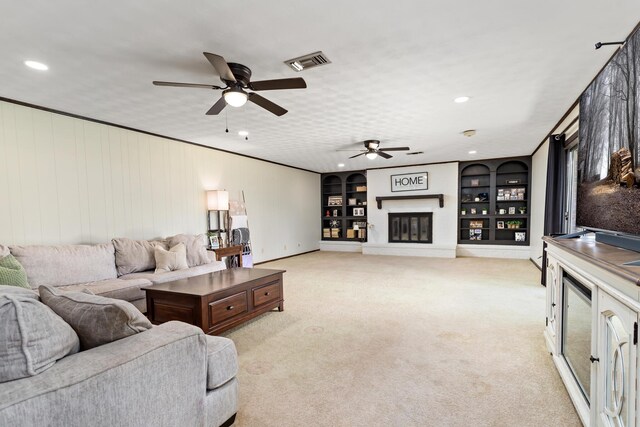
(344, 206)
(494, 201)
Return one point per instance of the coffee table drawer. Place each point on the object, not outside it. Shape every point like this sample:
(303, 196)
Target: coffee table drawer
(265, 294)
(227, 308)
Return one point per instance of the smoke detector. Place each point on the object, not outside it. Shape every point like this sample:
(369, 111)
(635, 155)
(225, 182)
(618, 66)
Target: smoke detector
(469, 132)
(305, 62)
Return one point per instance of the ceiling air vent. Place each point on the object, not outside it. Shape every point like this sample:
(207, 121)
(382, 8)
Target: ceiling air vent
(308, 61)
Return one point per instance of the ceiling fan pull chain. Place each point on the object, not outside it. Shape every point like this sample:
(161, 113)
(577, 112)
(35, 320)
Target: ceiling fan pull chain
(226, 121)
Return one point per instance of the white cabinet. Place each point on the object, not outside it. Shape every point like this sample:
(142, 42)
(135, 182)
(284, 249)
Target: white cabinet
(591, 329)
(617, 364)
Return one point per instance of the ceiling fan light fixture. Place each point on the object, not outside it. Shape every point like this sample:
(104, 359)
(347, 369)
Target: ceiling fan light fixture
(235, 97)
(372, 155)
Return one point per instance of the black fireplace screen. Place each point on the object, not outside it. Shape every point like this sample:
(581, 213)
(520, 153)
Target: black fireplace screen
(411, 227)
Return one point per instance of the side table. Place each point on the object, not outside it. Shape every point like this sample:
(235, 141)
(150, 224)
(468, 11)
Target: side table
(229, 251)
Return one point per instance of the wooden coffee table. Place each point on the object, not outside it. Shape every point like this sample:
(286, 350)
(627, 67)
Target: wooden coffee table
(217, 301)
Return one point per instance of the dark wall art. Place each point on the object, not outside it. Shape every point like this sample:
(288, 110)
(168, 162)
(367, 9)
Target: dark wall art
(609, 151)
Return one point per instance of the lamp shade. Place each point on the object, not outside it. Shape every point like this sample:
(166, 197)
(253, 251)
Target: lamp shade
(218, 200)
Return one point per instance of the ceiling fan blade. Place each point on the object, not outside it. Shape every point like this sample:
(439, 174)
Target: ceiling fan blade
(350, 150)
(361, 154)
(176, 84)
(384, 155)
(217, 107)
(266, 104)
(293, 83)
(395, 149)
(220, 65)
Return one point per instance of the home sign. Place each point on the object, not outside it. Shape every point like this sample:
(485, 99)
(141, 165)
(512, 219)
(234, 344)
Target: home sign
(409, 182)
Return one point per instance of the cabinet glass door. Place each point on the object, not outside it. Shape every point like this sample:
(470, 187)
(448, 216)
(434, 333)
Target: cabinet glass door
(617, 363)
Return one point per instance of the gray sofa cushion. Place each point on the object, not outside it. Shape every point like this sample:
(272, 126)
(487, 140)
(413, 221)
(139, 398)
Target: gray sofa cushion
(17, 291)
(155, 378)
(97, 320)
(67, 264)
(128, 290)
(196, 247)
(177, 274)
(222, 361)
(33, 337)
(135, 255)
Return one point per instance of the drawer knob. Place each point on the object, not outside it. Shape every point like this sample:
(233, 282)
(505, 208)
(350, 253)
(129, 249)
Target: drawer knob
(266, 294)
(230, 307)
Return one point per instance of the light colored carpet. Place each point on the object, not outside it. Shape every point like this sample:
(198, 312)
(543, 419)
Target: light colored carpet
(399, 341)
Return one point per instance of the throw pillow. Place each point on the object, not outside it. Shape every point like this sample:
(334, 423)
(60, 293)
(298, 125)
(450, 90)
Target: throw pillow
(196, 247)
(172, 259)
(12, 273)
(133, 256)
(33, 337)
(97, 320)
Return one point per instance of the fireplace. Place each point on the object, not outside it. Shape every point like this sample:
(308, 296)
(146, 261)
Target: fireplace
(411, 227)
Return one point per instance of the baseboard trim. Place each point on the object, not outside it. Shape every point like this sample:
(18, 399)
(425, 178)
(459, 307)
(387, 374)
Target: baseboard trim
(285, 257)
(535, 263)
(493, 251)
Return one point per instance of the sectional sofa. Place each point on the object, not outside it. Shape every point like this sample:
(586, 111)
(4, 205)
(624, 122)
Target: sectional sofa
(171, 374)
(168, 375)
(118, 269)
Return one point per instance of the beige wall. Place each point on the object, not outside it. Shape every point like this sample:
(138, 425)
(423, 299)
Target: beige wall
(67, 180)
(538, 194)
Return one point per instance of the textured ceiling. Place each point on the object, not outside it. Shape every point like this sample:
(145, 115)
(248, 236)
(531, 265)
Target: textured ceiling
(396, 67)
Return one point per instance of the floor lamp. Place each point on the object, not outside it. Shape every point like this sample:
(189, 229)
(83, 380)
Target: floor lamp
(217, 203)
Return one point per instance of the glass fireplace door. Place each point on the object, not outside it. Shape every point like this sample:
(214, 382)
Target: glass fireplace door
(576, 332)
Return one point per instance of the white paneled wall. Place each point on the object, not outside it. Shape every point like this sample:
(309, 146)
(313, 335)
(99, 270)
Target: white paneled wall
(67, 180)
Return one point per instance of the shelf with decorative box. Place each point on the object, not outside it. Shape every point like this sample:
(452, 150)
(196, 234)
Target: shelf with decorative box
(495, 191)
(344, 206)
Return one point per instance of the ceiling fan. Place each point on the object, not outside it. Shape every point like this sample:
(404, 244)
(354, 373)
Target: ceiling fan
(237, 79)
(372, 150)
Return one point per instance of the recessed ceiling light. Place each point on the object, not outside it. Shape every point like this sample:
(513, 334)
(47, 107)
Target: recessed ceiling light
(243, 133)
(461, 99)
(472, 152)
(340, 165)
(36, 65)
